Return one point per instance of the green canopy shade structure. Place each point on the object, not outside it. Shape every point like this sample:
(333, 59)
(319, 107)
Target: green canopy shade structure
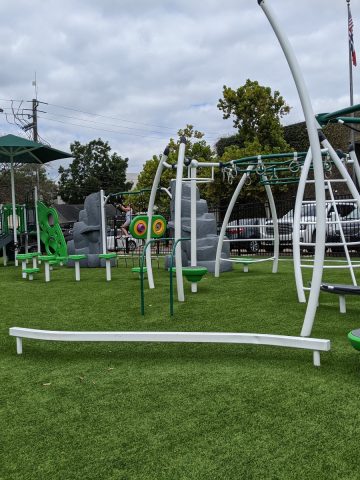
(14, 149)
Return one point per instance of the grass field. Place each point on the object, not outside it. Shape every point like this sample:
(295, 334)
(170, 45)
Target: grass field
(176, 411)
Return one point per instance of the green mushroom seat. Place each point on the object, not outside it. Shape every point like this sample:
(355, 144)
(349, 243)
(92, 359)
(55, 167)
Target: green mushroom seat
(194, 274)
(354, 338)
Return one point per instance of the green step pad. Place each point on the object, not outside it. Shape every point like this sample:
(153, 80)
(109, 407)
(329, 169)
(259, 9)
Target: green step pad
(107, 256)
(31, 270)
(27, 256)
(138, 269)
(77, 257)
(47, 258)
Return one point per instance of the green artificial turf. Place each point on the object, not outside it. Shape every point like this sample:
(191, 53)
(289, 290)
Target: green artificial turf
(175, 411)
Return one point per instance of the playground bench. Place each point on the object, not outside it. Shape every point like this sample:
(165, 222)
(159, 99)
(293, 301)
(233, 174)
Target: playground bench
(341, 290)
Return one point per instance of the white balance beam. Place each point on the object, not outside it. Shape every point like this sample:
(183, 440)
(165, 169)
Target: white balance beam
(314, 344)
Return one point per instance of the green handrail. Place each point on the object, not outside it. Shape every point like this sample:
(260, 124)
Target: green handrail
(325, 117)
(142, 293)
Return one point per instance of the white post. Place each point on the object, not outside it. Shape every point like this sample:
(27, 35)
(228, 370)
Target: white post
(4, 257)
(342, 303)
(227, 217)
(316, 358)
(37, 220)
(103, 224)
(193, 223)
(26, 232)
(178, 252)
(108, 270)
(34, 262)
(14, 216)
(311, 125)
(150, 213)
(23, 266)
(47, 271)
(77, 270)
(19, 345)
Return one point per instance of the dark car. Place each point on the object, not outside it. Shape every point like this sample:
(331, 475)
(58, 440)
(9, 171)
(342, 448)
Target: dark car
(245, 234)
(351, 231)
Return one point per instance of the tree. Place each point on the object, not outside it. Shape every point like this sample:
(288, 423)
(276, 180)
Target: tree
(94, 168)
(25, 181)
(257, 113)
(196, 148)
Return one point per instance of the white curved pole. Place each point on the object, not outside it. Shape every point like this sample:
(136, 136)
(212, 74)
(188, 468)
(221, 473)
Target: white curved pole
(150, 213)
(178, 192)
(227, 218)
(275, 227)
(340, 166)
(318, 169)
(356, 166)
(296, 228)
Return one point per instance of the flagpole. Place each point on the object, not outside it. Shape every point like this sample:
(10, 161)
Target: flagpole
(352, 133)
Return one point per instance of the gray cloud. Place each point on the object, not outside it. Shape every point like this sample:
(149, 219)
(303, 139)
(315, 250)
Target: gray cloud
(162, 65)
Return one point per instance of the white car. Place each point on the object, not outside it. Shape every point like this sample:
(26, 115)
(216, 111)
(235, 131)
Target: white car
(307, 225)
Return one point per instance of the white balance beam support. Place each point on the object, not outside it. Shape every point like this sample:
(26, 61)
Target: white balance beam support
(314, 344)
(342, 303)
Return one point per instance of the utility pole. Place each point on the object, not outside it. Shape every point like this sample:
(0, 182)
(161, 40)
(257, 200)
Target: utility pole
(35, 104)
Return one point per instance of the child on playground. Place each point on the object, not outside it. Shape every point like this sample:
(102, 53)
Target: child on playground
(128, 216)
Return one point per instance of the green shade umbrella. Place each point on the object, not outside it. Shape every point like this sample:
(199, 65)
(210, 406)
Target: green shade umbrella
(14, 149)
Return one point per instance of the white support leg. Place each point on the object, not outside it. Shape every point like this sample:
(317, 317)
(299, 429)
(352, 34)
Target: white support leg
(77, 271)
(47, 272)
(4, 257)
(34, 262)
(19, 345)
(316, 358)
(246, 268)
(342, 303)
(23, 266)
(31, 276)
(108, 270)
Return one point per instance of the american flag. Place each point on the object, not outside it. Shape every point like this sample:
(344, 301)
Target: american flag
(351, 38)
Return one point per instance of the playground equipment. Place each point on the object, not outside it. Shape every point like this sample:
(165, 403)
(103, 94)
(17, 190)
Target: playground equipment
(354, 338)
(190, 221)
(51, 234)
(316, 345)
(341, 290)
(332, 208)
(15, 149)
(249, 166)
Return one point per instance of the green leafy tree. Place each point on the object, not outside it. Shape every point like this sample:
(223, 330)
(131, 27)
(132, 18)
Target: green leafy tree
(25, 181)
(196, 148)
(94, 167)
(256, 113)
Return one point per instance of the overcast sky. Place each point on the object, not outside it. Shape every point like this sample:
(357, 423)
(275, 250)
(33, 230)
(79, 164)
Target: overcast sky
(134, 72)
